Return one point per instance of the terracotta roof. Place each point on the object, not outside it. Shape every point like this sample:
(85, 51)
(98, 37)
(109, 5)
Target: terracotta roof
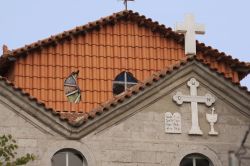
(100, 50)
(113, 19)
(106, 106)
(77, 119)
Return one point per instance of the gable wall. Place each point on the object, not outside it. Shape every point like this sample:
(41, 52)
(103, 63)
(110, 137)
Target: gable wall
(140, 139)
(30, 134)
(35, 137)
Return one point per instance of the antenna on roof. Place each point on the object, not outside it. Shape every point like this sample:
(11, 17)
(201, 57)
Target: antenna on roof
(5, 50)
(126, 3)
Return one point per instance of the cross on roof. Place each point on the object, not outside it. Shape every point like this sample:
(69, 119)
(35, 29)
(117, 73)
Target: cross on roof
(126, 3)
(189, 29)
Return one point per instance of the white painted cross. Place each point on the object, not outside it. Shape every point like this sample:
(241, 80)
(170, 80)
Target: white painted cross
(208, 99)
(189, 29)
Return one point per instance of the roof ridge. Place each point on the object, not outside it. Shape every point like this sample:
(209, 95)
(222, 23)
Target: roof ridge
(111, 20)
(62, 35)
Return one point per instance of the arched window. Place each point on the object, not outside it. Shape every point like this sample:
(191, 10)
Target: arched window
(123, 81)
(195, 160)
(68, 157)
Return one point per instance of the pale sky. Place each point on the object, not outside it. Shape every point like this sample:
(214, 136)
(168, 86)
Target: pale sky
(227, 21)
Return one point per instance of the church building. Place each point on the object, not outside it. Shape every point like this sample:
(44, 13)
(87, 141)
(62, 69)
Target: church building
(126, 91)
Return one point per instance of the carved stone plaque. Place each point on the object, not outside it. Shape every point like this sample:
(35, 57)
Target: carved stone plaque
(173, 123)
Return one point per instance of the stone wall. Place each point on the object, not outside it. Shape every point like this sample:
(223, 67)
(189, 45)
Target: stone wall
(141, 138)
(138, 139)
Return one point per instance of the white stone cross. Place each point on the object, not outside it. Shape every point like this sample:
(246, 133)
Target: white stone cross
(189, 29)
(208, 99)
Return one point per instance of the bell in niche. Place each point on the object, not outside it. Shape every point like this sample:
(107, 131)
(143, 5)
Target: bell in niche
(71, 89)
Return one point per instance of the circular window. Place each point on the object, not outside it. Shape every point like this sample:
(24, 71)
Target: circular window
(68, 157)
(195, 160)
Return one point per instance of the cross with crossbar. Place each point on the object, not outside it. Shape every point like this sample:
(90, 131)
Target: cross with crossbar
(208, 99)
(126, 3)
(189, 28)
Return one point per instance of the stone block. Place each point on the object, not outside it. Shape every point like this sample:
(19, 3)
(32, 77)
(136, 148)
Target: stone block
(27, 142)
(115, 155)
(144, 156)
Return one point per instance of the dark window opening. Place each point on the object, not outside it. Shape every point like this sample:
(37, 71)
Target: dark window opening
(68, 157)
(123, 81)
(195, 160)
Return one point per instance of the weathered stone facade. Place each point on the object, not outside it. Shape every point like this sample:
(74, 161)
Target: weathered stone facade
(136, 136)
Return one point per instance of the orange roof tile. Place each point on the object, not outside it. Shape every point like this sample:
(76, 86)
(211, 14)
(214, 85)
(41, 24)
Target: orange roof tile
(154, 78)
(77, 119)
(100, 50)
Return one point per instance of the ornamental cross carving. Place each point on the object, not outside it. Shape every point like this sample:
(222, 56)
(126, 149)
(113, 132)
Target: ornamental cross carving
(189, 29)
(208, 99)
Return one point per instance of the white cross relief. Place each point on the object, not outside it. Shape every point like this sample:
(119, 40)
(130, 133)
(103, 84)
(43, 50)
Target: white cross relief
(189, 29)
(208, 99)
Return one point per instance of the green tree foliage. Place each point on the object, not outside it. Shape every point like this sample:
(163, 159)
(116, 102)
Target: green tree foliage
(8, 153)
